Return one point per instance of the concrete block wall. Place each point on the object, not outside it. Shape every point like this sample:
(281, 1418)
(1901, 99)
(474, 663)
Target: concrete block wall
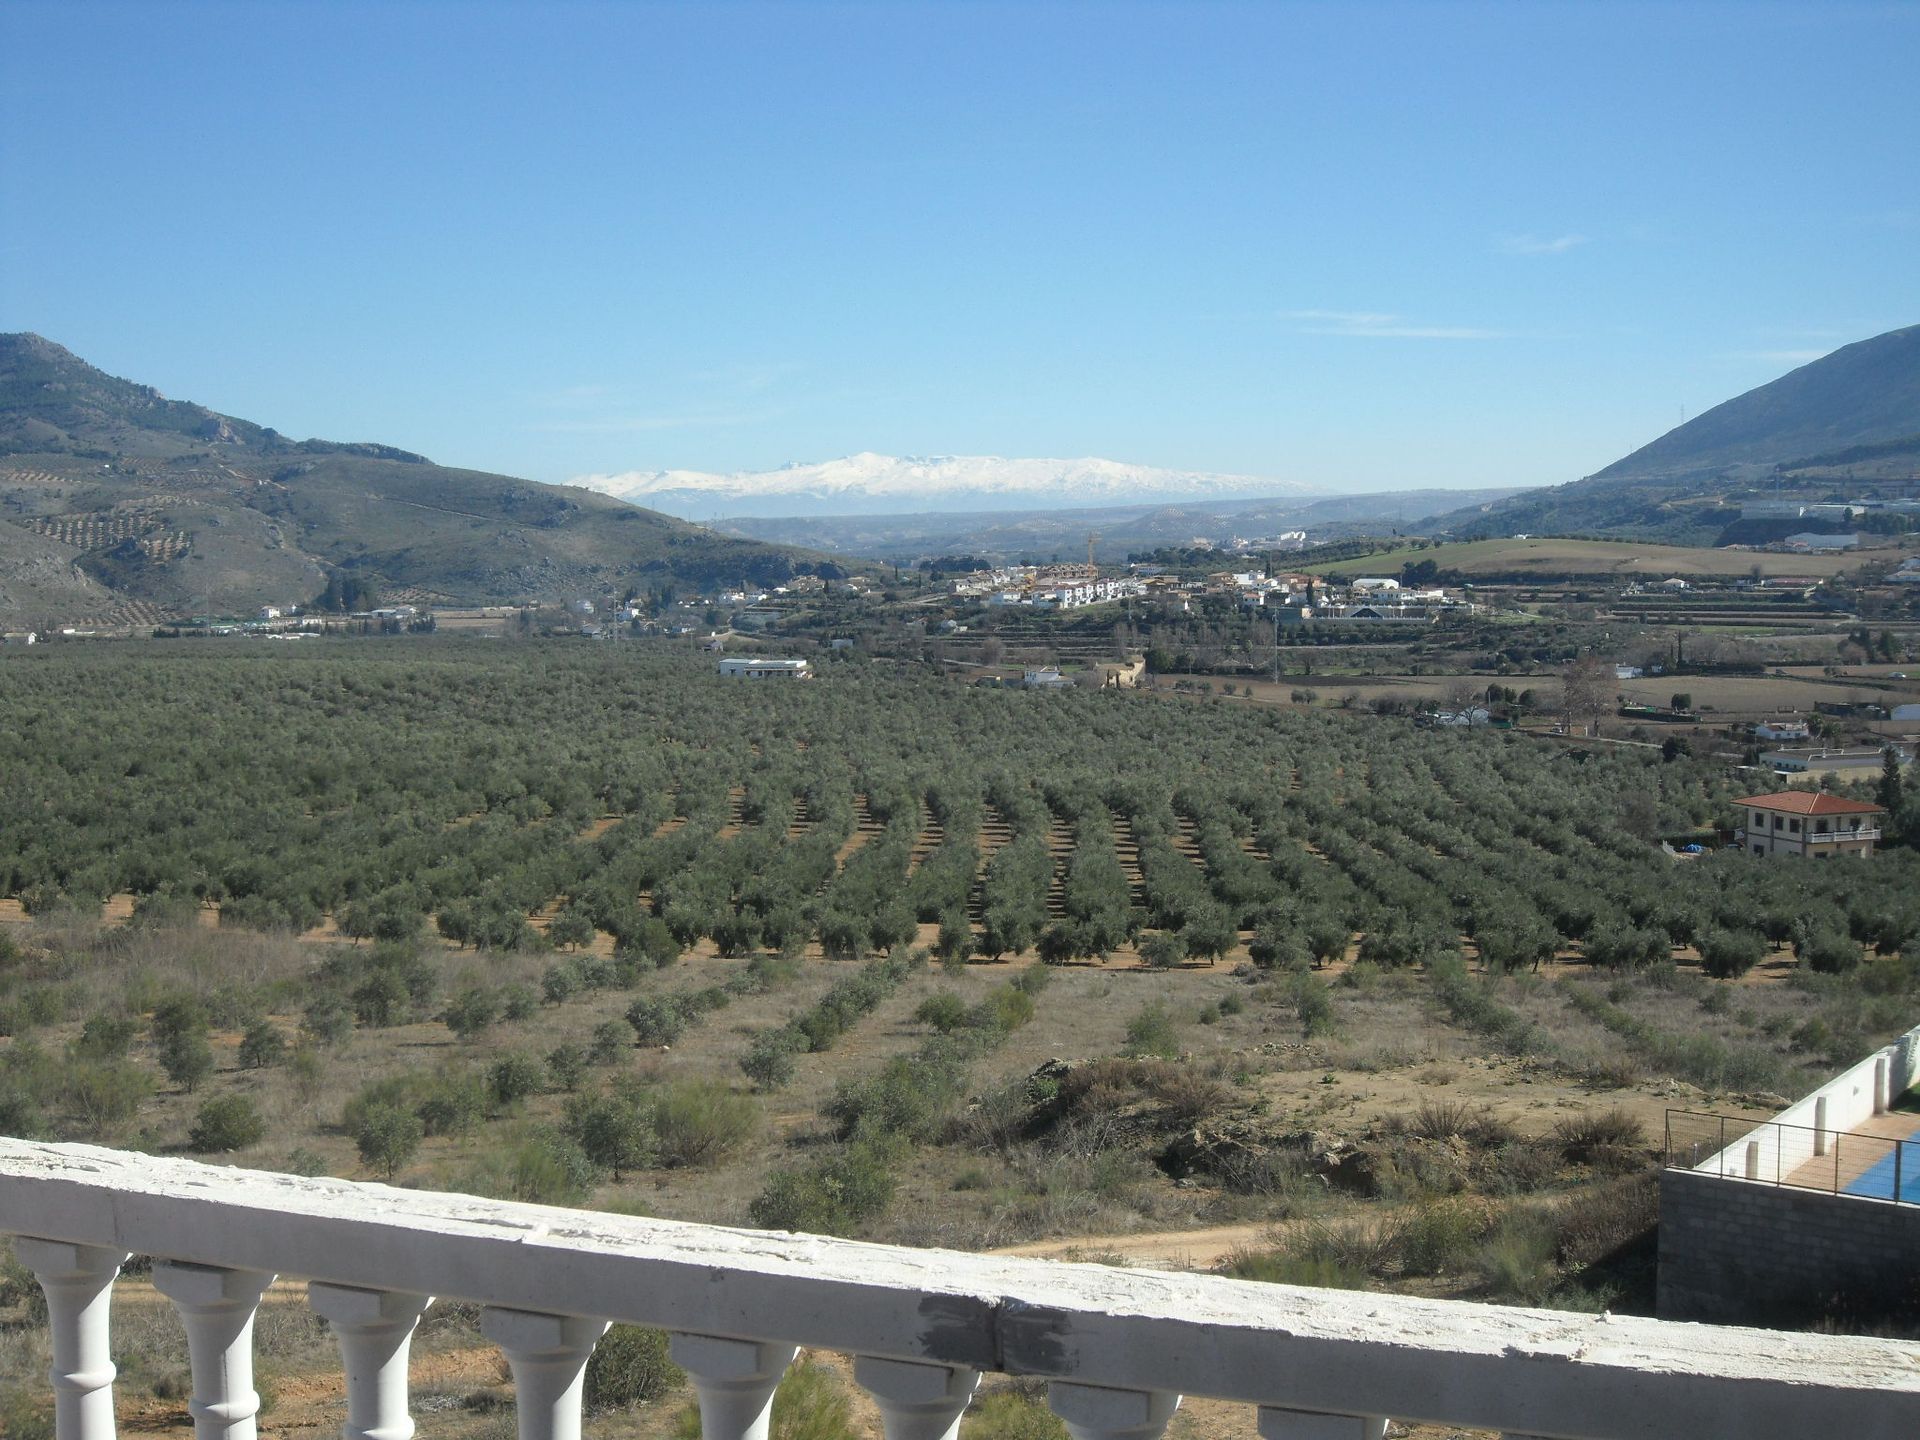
(1737, 1252)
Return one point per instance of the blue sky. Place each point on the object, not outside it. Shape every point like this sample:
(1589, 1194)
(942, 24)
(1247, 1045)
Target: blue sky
(1361, 245)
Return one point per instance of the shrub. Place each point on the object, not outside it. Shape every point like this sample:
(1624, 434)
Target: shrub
(1164, 950)
(559, 984)
(518, 1003)
(1150, 1032)
(105, 1037)
(1600, 1131)
(381, 999)
(699, 1122)
(1444, 1120)
(548, 1168)
(512, 1078)
(908, 1096)
(188, 1059)
(1312, 1002)
(1439, 1238)
(262, 1046)
(943, 1010)
(613, 1132)
(1829, 952)
(657, 1022)
(770, 1059)
(1004, 1010)
(567, 1064)
(830, 1196)
(1598, 1222)
(1276, 1267)
(228, 1122)
(571, 928)
(1728, 954)
(26, 1413)
(388, 1136)
(630, 1366)
(610, 1042)
(471, 1012)
(454, 1105)
(327, 1021)
(1517, 1261)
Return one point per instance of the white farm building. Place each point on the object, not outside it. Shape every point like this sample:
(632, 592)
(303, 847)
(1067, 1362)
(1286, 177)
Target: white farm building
(749, 668)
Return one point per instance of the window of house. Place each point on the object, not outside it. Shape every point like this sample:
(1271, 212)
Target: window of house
(1794, 826)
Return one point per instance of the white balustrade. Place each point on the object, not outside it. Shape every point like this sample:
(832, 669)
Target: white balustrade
(375, 1330)
(916, 1401)
(1106, 1412)
(1117, 1348)
(734, 1380)
(78, 1283)
(548, 1355)
(217, 1303)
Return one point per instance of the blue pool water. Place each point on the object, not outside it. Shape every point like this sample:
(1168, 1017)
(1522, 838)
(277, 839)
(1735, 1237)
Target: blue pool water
(1878, 1182)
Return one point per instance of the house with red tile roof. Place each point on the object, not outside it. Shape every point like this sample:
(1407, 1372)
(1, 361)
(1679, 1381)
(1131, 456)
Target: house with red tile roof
(1806, 822)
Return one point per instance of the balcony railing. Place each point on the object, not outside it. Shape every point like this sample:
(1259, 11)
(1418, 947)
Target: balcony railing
(1118, 1348)
(1795, 1157)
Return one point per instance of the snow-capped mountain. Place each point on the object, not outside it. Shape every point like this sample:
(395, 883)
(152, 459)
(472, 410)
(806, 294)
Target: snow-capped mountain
(869, 484)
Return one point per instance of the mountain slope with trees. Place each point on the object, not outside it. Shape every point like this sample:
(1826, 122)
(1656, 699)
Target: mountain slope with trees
(121, 505)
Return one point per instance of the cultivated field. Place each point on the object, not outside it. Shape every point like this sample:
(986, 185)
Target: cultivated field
(1549, 558)
(1302, 997)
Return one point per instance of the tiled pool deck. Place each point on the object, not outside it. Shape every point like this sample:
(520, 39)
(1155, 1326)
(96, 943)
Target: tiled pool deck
(1865, 1160)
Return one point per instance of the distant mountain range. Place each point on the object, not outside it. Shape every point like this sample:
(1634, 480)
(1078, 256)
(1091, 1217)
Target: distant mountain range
(119, 506)
(868, 484)
(1118, 530)
(1846, 418)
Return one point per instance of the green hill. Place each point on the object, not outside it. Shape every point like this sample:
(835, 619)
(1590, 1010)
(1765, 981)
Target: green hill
(1849, 418)
(120, 506)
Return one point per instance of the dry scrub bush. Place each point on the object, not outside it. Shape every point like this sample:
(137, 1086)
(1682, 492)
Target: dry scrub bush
(1442, 1120)
(699, 1122)
(629, 1367)
(1594, 1135)
(1601, 1220)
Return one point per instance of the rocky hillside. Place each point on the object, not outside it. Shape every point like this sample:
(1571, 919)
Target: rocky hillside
(120, 506)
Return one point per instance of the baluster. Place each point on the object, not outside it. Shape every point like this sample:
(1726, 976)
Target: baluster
(917, 1401)
(548, 1355)
(217, 1307)
(1277, 1423)
(78, 1283)
(735, 1380)
(375, 1330)
(1100, 1412)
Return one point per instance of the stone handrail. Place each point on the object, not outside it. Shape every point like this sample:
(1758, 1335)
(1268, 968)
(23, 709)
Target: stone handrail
(1117, 1347)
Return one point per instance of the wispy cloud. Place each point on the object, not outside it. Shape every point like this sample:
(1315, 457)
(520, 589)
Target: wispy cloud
(1531, 244)
(1372, 325)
